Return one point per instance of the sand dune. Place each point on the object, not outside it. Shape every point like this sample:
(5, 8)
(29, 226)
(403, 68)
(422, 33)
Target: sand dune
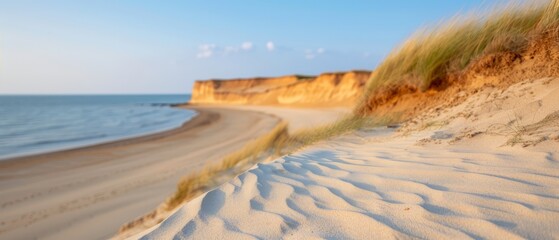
(466, 171)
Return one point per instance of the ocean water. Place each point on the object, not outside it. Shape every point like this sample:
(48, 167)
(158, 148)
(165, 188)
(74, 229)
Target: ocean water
(39, 124)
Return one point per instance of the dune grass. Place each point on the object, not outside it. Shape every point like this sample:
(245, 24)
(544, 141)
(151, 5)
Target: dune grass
(431, 55)
(344, 125)
(276, 143)
(196, 183)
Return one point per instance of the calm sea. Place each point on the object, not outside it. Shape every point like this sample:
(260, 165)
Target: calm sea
(38, 124)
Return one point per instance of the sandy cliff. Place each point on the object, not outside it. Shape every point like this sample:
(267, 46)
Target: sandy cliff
(334, 89)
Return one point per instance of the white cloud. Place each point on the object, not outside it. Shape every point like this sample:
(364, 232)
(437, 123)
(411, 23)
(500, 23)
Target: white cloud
(270, 46)
(205, 50)
(246, 46)
(311, 54)
(210, 50)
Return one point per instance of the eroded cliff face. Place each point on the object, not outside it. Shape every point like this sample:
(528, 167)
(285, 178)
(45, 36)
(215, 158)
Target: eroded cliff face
(331, 89)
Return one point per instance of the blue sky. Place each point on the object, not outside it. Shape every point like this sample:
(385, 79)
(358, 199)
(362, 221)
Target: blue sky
(76, 47)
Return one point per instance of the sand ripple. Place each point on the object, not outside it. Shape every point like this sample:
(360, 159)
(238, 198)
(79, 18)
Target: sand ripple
(416, 183)
(394, 189)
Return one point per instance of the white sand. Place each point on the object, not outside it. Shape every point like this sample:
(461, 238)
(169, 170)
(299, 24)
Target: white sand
(488, 168)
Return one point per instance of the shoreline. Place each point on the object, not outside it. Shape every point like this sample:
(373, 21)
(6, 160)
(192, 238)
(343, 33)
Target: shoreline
(62, 194)
(101, 142)
(110, 143)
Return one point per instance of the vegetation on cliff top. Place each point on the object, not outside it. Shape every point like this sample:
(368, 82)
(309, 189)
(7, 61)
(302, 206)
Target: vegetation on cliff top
(428, 58)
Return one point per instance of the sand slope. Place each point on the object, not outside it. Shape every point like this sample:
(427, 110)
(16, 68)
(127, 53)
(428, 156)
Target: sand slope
(451, 173)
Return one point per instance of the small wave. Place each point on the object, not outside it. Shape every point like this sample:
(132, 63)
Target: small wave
(67, 122)
(76, 139)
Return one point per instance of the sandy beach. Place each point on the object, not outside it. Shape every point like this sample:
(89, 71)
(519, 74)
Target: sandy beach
(279, 120)
(300, 118)
(90, 192)
(457, 172)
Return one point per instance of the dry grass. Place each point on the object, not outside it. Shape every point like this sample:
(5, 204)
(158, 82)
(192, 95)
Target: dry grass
(346, 124)
(275, 143)
(312, 135)
(430, 57)
(526, 134)
(197, 183)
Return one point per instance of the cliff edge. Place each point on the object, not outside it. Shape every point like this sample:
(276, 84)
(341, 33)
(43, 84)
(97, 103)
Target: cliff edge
(334, 89)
